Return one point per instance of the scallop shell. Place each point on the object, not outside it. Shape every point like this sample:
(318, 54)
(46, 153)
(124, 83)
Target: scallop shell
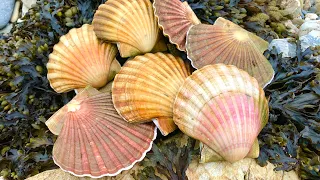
(80, 59)
(223, 107)
(175, 18)
(229, 44)
(131, 24)
(146, 86)
(94, 140)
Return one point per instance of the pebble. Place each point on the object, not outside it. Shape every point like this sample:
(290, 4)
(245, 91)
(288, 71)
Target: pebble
(311, 16)
(308, 26)
(292, 7)
(15, 14)
(310, 40)
(6, 8)
(288, 49)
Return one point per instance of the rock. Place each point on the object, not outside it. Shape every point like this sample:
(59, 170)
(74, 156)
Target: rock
(285, 47)
(306, 5)
(7, 29)
(27, 4)
(311, 16)
(308, 26)
(15, 14)
(310, 40)
(298, 21)
(6, 8)
(246, 169)
(292, 28)
(292, 7)
(58, 174)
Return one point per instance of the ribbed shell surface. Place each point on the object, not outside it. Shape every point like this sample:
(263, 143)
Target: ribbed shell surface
(211, 44)
(223, 107)
(146, 86)
(129, 23)
(80, 59)
(94, 140)
(175, 18)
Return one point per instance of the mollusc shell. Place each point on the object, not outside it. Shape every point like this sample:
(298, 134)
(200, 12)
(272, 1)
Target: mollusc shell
(211, 44)
(129, 23)
(80, 59)
(94, 140)
(146, 86)
(224, 108)
(175, 18)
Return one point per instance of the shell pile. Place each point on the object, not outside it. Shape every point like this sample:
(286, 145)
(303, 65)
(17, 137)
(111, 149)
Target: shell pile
(107, 127)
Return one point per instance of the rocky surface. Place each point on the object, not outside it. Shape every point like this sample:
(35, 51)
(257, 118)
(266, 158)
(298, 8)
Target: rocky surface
(284, 46)
(6, 8)
(292, 7)
(246, 169)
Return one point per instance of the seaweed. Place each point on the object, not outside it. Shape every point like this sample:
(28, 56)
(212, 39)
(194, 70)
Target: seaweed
(294, 123)
(25, 95)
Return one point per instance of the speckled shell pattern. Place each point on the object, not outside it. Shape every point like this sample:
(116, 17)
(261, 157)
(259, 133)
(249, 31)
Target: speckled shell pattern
(146, 86)
(175, 18)
(129, 23)
(80, 59)
(223, 107)
(94, 140)
(211, 44)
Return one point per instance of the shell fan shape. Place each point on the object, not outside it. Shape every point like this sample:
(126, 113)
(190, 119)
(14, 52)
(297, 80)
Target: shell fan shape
(223, 107)
(146, 86)
(80, 59)
(129, 23)
(94, 140)
(175, 18)
(227, 43)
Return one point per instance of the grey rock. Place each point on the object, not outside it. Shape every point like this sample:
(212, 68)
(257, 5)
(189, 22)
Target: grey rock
(6, 30)
(308, 26)
(6, 8)
(288, 49)
(292, 7)
(310, 40)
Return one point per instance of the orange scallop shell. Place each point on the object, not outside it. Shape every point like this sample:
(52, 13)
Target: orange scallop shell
(146, 86)
(80, 59)
(129, 23)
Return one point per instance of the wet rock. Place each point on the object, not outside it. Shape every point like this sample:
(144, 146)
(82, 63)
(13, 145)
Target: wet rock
(309, 26)
(291, 27)
(310, 40)
(288, 49)
(311, 16)
(7, 29)
(6, 8)
(292, 7)
(246, 169)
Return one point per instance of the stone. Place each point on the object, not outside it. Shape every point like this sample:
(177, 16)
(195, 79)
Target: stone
(6, 29)
(311, 16)
(288, 49)
(6, 8)
(246, 169)
(306, 5)
(291, 27)
(308, 26)
(298, 21)
(292, 7)
(310, 40)
(15, 14)
(26, 5)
